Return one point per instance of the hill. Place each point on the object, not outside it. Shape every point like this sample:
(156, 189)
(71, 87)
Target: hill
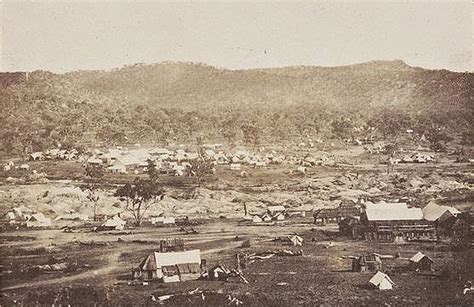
(159, 102)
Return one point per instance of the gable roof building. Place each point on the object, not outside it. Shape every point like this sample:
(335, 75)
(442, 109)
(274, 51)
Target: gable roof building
(171, 266)
(392, 212)
(433, 211)
(335, 215)
(117, 167)
(421, 262)
(395, 222)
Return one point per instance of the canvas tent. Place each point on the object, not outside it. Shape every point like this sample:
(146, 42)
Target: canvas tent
(257, 219)
(266, 217)
(381, 281)
(279, 216)
(37, 156)
(11, 217)
(295, 240)
(165, 220)
(38, 220)
(114, 223)
(218, 272)
(170, 267)
(275, 209)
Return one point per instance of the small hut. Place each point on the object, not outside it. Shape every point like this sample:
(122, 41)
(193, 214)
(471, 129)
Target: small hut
(367, 263)
(170, 267)
(421, 262)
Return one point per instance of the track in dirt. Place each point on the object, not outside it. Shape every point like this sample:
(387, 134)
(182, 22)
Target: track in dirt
(112, 265)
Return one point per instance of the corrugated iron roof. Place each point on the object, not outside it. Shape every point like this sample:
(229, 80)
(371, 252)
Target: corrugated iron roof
(433, 211)
(392, 212)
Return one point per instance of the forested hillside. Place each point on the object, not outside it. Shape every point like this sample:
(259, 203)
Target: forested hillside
(160, 102)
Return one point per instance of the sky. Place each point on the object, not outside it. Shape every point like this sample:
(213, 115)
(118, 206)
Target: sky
(77, 35)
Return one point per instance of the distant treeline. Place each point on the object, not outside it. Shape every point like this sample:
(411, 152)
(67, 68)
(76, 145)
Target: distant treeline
(163, 102)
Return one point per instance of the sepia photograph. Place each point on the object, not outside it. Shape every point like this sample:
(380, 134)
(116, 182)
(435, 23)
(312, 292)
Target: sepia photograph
(236, 153)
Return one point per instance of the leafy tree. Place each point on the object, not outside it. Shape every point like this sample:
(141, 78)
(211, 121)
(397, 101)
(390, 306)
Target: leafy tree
(151, 170)
(438, 138)
(94, 175)
(251, 133)
(341, 127)
(391, 121)
(228, 131)
(141, 193)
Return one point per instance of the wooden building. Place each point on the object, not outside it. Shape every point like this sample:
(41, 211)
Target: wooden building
(170, 267)
(366, 263)
(395, 222)
(351, 226)
(335, 215)
(421, 262)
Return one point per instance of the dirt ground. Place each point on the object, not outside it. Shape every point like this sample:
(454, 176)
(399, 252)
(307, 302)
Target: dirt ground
(102, 269)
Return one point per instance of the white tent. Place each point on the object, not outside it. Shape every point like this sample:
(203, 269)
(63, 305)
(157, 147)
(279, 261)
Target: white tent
(116, 222)
(382, 281)
(275, 209)
(235, 167)
(163, 220)
(257, 219)
(296, 240)
(38, 220)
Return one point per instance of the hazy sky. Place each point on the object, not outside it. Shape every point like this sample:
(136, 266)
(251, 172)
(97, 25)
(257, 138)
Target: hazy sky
(61, 36)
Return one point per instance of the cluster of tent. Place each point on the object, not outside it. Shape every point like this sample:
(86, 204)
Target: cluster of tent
(273, 213)
(25, 216)
(11, 165)
(55, 154)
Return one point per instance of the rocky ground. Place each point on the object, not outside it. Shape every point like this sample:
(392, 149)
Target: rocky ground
(82, 267)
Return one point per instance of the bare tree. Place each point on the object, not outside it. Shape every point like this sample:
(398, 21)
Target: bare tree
(94, 175)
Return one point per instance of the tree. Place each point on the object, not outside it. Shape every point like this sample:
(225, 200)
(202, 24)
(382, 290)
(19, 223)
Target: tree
(390, 149)
(341, 127)
(200, 168)
(140, 194)
(151, 170)
(438, 138)
(251, 133)
(94, 174)
(391, 121)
